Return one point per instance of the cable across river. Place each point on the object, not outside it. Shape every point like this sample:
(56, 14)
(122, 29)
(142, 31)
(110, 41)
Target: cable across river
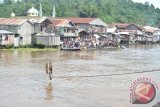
(107, 75)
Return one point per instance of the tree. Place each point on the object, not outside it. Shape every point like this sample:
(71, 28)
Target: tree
(111, 11)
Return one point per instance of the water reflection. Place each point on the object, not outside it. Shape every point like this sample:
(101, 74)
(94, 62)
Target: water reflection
(49, 91)
(86, 55)
(143, 47)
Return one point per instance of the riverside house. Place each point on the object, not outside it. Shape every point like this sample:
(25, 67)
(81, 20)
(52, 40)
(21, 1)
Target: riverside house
(58, 29)
(40, 24)
(20, 27)
(6, 38)
(64, 29)
(129, 32)
(151, 34)
(90, 25)
(89, 30)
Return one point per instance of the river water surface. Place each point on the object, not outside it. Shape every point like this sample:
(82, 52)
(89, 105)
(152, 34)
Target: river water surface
(78, 77)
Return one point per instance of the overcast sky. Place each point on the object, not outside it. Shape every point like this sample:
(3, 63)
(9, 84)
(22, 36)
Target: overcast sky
(156, 3)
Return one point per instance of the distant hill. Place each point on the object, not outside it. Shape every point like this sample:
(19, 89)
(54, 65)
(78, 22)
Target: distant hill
(111, 11)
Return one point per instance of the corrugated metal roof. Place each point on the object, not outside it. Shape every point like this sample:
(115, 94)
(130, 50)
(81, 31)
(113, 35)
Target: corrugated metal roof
(37, 20)
(150, 29)
(92, 21)
(79, 20)
(122, 25)
(11, 21)
(60, 23)
(125, 25)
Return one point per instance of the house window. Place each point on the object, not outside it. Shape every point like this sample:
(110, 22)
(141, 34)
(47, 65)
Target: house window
(0, 38)
(41, 28)
(6, 38)
(21, 39)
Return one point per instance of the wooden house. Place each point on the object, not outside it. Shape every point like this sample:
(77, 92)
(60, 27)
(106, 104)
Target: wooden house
(157, 35)
(129, 32)
(112, 34)
(63, 28)
(91, 25)
(58, 31)
(67, 31)
(40, 24)
(89, 29)
(21, 27)
(6, 38)
(151, 34)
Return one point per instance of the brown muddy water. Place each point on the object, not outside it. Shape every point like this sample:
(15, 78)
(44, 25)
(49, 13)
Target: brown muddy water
(23, 82)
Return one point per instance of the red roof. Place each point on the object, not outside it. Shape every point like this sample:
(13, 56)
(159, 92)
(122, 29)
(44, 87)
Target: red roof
(125, 25)
(59, 22)
(79, 20)
(122, 25)
(11, 21)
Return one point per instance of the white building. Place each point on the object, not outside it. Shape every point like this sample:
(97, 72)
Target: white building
(32, 12)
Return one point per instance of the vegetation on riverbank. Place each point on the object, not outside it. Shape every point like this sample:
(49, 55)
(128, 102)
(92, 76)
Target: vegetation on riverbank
(26, 47)
(110, 11)
(29, 49)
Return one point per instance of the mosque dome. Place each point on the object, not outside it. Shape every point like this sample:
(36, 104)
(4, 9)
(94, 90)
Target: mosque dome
(13, 14)
(32, 12)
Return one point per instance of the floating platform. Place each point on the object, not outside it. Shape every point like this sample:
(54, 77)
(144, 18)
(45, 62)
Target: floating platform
(71, 49)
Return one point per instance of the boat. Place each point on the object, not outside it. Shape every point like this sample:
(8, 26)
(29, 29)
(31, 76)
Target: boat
(71, 49)
(110, 47)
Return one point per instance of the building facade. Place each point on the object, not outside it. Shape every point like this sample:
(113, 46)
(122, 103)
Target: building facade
(21, 27)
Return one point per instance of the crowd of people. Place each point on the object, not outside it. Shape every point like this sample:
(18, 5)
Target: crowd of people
(71, 43)
(87, 43)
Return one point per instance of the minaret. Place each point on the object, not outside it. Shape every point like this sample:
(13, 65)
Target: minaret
(54, 12)
(40, 10)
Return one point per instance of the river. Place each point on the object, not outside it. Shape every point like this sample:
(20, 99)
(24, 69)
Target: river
(80, 79)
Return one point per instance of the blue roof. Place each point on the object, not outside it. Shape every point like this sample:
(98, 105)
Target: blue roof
(5, 32)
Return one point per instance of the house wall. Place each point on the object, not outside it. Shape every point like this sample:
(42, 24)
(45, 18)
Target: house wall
(82, 26)
(11, 28)
(37, 28)
(42, 27)
(157, 32)
(148, 39)
(110, 37)
(48, 40)
(7, 39)
(25, 30)
(42, 40)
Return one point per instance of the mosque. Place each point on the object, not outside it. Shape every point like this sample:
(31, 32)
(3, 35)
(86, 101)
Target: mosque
(27, 26)
(33, 12)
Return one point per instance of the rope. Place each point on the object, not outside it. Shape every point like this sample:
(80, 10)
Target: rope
(107, 75)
